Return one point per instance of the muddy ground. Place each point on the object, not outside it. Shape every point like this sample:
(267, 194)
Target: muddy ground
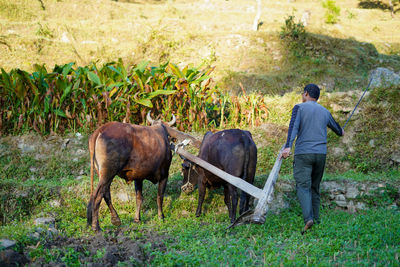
(107, 248)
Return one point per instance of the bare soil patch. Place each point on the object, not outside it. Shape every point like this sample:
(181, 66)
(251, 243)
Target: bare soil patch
(103, 249)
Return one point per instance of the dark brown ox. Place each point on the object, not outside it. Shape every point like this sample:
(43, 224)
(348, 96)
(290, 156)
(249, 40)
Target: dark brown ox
(232, 151)
(132, 152)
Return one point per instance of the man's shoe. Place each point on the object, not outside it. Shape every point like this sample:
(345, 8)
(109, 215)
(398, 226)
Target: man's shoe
(308, 226)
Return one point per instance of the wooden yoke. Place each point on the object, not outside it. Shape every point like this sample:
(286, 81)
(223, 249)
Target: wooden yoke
(182, 136)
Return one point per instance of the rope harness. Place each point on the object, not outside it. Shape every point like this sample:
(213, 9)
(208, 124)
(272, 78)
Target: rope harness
(188, 186)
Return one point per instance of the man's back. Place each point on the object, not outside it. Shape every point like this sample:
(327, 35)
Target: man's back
(310, 125)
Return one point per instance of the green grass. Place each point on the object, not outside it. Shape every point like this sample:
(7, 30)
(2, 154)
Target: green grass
(342, 238)
(365, 238)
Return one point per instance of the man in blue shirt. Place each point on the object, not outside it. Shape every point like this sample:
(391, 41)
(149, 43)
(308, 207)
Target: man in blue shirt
(309, 124)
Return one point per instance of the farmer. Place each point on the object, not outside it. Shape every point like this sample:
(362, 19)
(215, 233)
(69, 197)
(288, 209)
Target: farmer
(309, 123)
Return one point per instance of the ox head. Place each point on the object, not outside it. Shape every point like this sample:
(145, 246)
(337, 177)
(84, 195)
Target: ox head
(190, 176)
(154, 122)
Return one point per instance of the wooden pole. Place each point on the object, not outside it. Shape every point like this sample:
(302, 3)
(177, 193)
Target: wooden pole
(262, 206)
(236, 181)
(182, 136)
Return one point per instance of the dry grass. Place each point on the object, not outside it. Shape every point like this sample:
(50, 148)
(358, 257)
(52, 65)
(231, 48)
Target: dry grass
(186, 32)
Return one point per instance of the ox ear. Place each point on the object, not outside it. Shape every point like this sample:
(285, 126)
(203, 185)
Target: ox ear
(172, 139)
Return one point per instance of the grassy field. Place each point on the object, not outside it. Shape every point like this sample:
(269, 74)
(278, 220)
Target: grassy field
(42, 176)
(217, 33)
(48, 180)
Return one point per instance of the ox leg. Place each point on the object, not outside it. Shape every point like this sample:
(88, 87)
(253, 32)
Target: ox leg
(104, 184)
(139, 199)
(227, 200)
(160, 197)
(114, 215)
(244, 202)
(234, 198)
(89, 211)
(202, 193)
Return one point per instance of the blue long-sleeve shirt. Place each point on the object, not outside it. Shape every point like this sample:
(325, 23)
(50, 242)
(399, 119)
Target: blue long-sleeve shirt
(309, 123)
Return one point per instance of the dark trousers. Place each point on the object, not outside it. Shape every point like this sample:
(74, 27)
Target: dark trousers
(307, 171)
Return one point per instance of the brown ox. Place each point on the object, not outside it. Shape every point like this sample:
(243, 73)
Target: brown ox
(132, 152)
(232, 151)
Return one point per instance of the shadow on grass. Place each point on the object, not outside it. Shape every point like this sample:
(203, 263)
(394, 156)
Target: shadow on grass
(376, 4)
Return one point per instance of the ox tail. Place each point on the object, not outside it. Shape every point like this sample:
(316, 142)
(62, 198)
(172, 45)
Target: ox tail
(92, 144)
(246, 157)
(244, 196)
(91, 153)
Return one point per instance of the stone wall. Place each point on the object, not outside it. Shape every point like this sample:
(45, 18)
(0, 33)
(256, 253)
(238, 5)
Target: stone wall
(347, 195)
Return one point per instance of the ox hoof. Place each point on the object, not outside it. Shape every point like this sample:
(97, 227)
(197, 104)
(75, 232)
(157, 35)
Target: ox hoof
(136, 221)
(115, 221)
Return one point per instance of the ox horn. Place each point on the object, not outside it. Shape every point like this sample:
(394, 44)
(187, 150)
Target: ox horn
(172, 122)
(148, 117)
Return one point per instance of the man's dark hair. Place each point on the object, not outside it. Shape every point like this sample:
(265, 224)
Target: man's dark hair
(313, 90)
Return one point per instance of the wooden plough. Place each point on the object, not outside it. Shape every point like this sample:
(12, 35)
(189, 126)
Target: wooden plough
(264, 196)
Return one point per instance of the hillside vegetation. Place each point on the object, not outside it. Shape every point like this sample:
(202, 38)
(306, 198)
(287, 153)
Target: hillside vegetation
(68, 66)
(217, 33)
(210, 45)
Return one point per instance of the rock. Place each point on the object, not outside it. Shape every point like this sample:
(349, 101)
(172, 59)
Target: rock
(26, 148)
(45, 221)
(123, 196)
(66, 143)
(10, 257)
(34, 236)
(64, 38)
(383, 78)
(80, 152)
(340, 200)
(351, 208)
(6, 244)
(284, 187)
(395, 157)
(352, 192)
(39, 230)
(55, 203)
(361, 206)
(332, 186)
(340, 203)
(371, 143)
(338, 151)
(52, 232)
(185, 213)
(278, 203)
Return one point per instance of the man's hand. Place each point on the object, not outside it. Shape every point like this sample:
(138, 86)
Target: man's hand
(285, 153)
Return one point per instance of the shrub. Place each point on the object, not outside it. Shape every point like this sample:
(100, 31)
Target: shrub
(294, 35)
(332, 11)
(86, 97)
